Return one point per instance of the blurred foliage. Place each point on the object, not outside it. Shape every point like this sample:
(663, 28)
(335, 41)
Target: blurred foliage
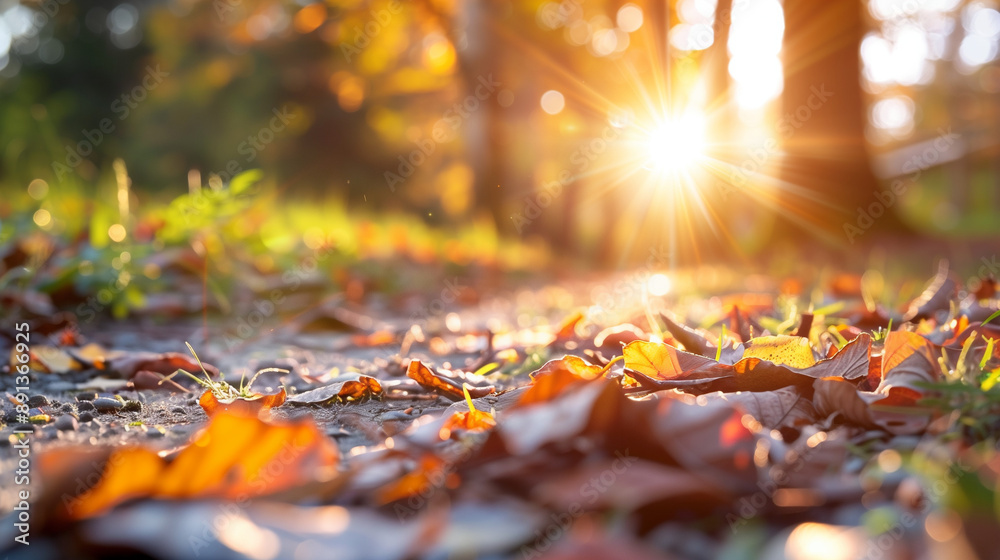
(92, 254)
(331, 96)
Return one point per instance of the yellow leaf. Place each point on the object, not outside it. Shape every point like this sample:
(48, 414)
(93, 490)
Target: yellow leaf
(653, 359)
(791, 351)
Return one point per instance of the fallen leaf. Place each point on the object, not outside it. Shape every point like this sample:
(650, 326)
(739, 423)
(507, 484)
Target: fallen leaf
(151, 381)
(233, 457)
(937, 296)
(253, 406)
(444, 385)
(471, 420)
(652, 359)
(907, 359)
(555, 376)
(567, 330)
(613, 338)
(691, 340)
(431, 470)
(696, 374)
(46, 359)
(793, 351)
(355, 386)
(834, 395)
(166, 363)
(377, 338)
(774, 409)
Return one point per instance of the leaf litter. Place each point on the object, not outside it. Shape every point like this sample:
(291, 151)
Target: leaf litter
(615, 438)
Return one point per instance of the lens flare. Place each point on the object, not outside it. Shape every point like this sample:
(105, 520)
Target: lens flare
(676, 144)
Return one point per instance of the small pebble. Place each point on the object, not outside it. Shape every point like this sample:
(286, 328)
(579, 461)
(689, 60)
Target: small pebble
(86, 396)
(85, 405)
(86, 417)
(66, 423)
(104, 404)
(178, 410)
(37, 401)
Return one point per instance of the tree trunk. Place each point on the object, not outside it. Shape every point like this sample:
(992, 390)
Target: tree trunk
(717, 71)
(824, 114)
(486, 142)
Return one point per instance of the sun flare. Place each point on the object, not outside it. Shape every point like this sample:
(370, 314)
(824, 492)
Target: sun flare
(676, 144)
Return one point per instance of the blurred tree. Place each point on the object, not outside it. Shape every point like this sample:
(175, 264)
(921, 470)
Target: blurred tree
(822, 99)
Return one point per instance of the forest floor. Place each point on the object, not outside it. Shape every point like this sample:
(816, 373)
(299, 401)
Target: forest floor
(698, 414)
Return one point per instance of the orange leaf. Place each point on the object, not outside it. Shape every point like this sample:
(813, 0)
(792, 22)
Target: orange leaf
(552, 378)
(248, 407)
(431, 470)
(473, 421)
(377, 338)
(233, 457)
(567, 330)
(434, 381)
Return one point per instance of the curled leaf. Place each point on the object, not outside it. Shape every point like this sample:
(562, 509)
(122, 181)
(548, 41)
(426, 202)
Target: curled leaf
(936, 296)
(880, 409)
(252, 406)
(908, 358)
(675, 369)
(444, 385)
(355, 386)
(471, 420)
(168, 362)
(556, 375)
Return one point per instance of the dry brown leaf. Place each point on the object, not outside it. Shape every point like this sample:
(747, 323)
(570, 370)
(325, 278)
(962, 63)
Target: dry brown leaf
(166, 363)
(937, 296)
(907, 359)
(775, 409)
(835, 395)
